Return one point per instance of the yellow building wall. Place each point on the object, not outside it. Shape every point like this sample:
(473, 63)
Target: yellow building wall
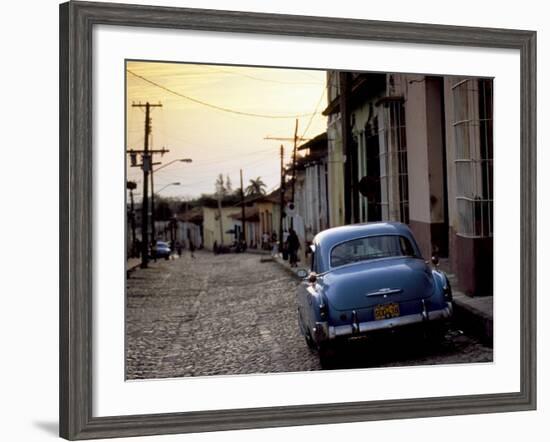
(211, 225)
(272, 217)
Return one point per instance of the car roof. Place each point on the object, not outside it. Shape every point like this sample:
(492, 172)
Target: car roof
(342, 233)
(327, 239)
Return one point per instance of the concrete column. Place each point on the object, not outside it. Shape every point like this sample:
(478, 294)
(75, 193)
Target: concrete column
(425, 146)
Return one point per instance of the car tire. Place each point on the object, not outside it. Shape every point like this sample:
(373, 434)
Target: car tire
(309, 340)
(435, 334)
(327, 355)
(305, 332)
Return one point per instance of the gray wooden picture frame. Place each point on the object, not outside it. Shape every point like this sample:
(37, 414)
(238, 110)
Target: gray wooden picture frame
(77, 20)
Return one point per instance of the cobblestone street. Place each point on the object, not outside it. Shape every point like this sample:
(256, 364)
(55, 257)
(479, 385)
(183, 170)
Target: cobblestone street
(233, 314)
(215, 314)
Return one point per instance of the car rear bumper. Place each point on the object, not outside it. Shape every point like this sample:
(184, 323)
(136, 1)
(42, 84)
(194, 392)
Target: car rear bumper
(323, 331)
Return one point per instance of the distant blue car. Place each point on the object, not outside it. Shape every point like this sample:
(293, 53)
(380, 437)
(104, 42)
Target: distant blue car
(161, 249)
(367, 278)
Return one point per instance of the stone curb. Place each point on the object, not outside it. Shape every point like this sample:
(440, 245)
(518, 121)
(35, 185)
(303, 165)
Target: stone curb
(281, 262)
(131, 269)
(473, 320)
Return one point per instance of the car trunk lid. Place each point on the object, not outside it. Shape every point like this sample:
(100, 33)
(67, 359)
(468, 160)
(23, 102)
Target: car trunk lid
(367, 284)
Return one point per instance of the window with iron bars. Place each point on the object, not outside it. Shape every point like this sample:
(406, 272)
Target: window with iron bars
(383, 158)
(397, 161)
(473, 129)
(394, 177)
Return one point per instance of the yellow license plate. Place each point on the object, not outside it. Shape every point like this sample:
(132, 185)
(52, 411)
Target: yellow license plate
(386, 311)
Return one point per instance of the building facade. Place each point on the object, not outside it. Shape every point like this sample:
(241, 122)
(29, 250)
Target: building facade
(219, 230)
(311, 190)
(416, 149)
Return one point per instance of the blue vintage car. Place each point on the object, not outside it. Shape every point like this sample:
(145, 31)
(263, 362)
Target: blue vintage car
(367, 278)
(161, 249)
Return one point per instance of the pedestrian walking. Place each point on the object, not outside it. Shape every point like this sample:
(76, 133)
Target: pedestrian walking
(274, 244)
(137, 249)
(293, 246)
(265, 241)
(285, 245)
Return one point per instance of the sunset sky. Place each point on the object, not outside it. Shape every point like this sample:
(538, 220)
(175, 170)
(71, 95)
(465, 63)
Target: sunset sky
(191, 124)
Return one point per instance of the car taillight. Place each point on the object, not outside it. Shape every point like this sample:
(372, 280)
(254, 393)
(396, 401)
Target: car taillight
(323, 311)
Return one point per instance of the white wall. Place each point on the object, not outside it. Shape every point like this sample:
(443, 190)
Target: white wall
(417, 152)
(29, 283)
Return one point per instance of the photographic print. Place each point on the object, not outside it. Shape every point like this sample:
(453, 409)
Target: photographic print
(291, 226)
(284, 220)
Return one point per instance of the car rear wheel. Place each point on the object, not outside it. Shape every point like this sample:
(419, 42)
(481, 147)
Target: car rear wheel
(435, 334)
(305, 331)
(327, 355)
(309, 340)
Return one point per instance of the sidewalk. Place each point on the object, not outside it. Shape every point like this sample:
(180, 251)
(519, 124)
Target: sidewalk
(286, 265)
(257, 251)
(474, 315)
(132, 264)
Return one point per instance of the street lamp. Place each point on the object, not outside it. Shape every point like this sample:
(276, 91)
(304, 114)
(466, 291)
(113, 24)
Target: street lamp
(169, 184)
(153, 207)
(179, 160)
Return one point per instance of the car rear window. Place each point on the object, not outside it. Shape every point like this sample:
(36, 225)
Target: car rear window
(371, 247)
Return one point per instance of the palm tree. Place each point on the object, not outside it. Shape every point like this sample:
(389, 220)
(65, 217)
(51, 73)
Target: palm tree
(221, 188)
(228, 185)
(256, 187)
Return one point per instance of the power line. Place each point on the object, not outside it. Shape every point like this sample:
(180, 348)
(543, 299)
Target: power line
(213, 166)
(240, 165)
(204, 146)
(267, 80)
(231, 171)
(216, 171)
(257, 197)
(313, 114)
(213, 106)
(265, 153)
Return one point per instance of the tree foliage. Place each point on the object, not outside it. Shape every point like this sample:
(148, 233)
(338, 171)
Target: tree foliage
(256, 187)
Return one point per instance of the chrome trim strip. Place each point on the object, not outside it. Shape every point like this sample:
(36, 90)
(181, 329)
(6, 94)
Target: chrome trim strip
(384, 292)
(388, 324)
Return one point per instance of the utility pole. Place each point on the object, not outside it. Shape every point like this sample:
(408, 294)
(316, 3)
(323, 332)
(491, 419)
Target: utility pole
(243, 210)
(153, 230)
(294, 160)
(295, 140)
(282, 201)
(347, 140)
(131, 186)
(219, 194)
(294, 149)
(146, 167)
